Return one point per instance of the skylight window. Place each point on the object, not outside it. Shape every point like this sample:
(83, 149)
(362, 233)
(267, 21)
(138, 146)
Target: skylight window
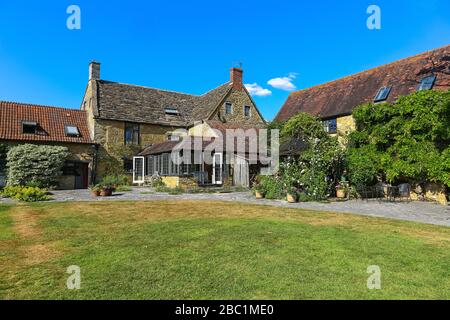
(72, 131)
(29, 127)
(426, 83)
(171, 111)
(383, 94)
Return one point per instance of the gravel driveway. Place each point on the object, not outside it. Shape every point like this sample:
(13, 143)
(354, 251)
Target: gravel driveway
(424, 212)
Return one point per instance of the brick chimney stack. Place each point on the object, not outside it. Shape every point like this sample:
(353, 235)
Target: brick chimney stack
(94, 70)
(236, 78)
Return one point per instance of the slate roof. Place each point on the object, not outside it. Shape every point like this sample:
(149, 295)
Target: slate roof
(124, 102)
(51, 123)
(340, 97)
(200, 144)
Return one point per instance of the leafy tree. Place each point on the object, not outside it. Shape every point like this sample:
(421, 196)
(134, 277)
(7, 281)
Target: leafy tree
(406, 141)
(320, 160)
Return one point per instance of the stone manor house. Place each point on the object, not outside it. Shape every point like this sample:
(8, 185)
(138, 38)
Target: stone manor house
(120, 122)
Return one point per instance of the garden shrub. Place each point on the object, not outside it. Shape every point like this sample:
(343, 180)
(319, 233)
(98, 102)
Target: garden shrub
(272, 187)
(36, 164)
(116, 180)
(403, 142)
(27, 194)
(155, 181)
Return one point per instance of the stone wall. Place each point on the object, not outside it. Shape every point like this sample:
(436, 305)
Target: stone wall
(78, 152)
(110, 134)
(345, 125)
(239, 99)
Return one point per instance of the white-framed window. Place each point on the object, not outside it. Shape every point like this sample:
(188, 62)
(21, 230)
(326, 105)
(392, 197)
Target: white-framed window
(247, 111)
(228, 108)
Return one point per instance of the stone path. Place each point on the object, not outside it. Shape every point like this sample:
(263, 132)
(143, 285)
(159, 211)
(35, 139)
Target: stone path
(424, 212)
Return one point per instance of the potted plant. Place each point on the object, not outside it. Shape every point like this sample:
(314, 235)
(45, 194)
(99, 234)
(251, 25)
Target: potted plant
(95, 190)
(258, 188)
(106, 191)
(259, 194)
(341, 191)
(291, 194)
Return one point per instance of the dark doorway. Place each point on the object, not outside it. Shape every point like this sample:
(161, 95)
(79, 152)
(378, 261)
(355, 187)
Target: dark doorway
(81, 176)
(79, 171)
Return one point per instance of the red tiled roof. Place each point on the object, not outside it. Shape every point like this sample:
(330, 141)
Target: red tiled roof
(340, 97)
(51, 123)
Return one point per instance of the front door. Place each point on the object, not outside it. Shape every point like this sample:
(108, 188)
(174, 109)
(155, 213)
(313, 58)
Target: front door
(217, 168)
(81, 172)
(138, 170)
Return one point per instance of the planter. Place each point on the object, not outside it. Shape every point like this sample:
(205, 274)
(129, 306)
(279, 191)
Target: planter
(340, 193)
(291, 198)
(259, 195)
(95, 193)
(106, 192)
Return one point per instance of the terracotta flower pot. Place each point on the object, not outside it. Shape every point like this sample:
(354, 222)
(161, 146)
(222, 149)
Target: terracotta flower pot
(259, 195)
(291, 198)
(106, 192)
(95, 193)
(340, 193)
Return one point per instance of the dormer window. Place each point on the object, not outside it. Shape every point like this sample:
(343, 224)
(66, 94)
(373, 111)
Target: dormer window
(72, 131)
(383, 94)
(426, 83)
(171, 111)
(29, 127)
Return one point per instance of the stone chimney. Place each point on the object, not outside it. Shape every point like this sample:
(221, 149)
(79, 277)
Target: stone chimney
(236, 78)
(94, 70)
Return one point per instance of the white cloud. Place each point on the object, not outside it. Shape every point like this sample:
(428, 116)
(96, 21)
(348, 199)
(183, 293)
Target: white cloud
(284, 83)
(256, 90)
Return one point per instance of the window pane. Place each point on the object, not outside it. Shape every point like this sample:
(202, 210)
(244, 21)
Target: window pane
(228, 108)
(247, 111)
(330, 126)
(383, 94)
(427, 83)
(72, 131)
(131, 133)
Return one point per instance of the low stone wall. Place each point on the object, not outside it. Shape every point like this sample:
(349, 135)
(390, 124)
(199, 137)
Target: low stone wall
(182, 182)
(431, 192)
(188, 182)
(171, 182)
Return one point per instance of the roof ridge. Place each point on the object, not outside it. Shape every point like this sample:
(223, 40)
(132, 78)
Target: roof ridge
(9, 103)
(163, 90)
(223, 84)
(371, 70)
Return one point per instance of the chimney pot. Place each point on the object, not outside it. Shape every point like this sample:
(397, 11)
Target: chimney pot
(236, 78)
(94, 70)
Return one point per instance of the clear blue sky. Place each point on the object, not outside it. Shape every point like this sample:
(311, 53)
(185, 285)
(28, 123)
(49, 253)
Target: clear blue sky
(189, 46)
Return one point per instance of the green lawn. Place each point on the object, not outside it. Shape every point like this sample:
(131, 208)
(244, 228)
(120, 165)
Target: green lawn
(215, 250)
